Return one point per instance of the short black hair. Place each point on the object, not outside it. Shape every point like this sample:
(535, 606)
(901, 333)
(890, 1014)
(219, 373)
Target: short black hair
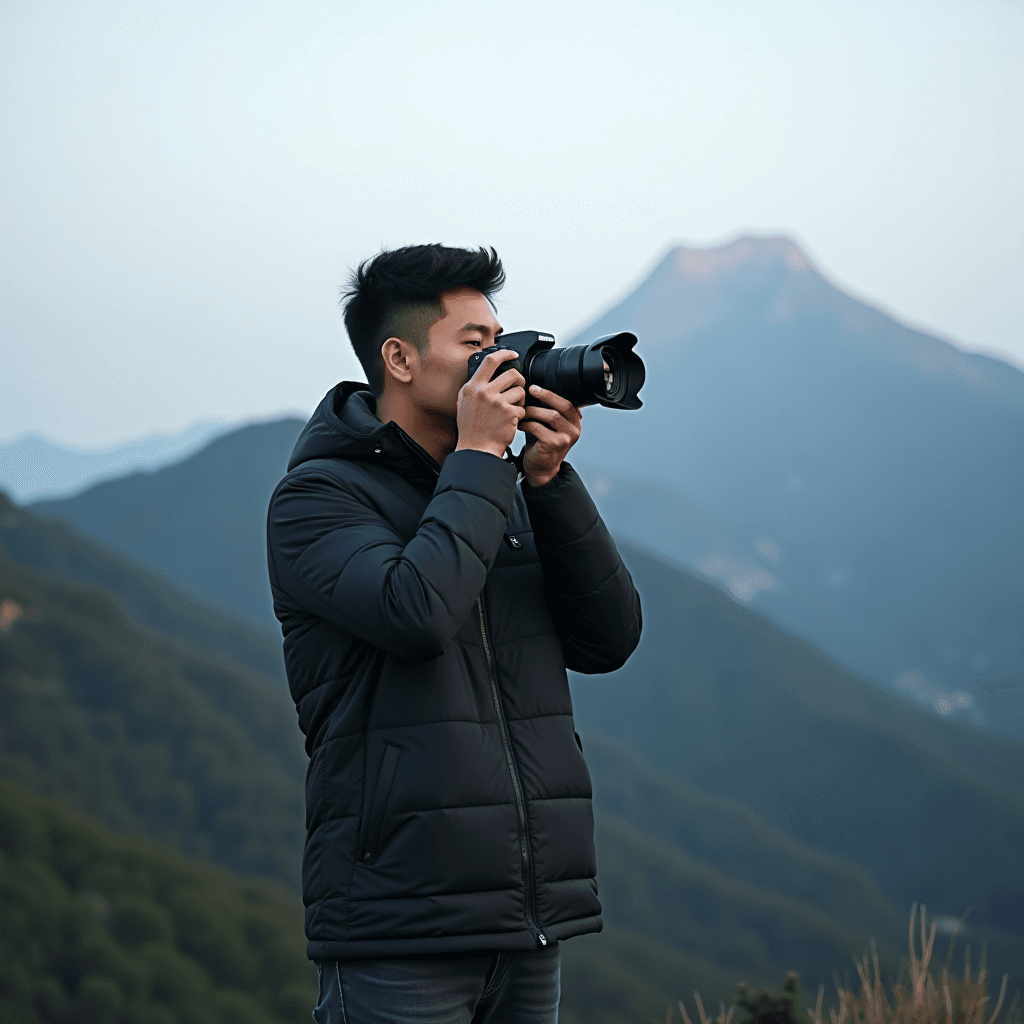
(397, 293)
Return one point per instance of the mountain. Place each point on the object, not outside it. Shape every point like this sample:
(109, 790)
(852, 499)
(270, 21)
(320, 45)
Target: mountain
(155, 737)
(33, 467)
(722, 696)
(723, 834)
(865, 469)
(201, 521)
(151, 598)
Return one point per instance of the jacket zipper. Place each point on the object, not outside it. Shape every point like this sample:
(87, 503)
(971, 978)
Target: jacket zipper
(524, 842)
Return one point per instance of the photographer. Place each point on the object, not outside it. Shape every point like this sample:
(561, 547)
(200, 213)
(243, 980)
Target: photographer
(430, 606)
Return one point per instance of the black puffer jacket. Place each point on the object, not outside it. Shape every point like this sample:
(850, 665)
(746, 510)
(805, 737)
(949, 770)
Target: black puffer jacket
(429, 617)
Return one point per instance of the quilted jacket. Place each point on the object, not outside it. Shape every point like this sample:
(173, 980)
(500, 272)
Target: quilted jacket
(429, 615)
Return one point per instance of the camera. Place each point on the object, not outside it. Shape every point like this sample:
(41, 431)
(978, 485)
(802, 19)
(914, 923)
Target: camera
(606, 372)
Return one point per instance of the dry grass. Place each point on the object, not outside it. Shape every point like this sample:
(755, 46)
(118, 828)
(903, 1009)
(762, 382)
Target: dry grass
(923, 1000)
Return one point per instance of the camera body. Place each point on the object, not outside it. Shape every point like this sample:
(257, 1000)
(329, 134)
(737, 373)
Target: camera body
(606, 372)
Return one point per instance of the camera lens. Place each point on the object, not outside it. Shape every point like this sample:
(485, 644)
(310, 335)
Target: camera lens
(614, 374)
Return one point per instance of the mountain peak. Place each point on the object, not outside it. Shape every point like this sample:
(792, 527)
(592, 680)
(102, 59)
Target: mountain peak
(691, 288)
(712, 261)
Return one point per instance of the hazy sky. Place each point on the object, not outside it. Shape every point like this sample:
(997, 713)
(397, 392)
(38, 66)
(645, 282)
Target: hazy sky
(184, 186)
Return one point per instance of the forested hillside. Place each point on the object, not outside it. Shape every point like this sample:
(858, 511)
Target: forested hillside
(147, 733)
(162, 738)
(97, 928)
(151, 597)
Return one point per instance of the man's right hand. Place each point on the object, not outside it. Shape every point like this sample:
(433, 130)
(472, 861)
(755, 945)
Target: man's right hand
(489, 411)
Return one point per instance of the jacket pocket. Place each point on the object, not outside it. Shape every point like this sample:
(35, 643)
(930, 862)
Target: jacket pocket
(379, 806)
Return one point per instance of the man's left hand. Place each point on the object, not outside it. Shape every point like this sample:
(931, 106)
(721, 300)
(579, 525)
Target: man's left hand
(551, 432)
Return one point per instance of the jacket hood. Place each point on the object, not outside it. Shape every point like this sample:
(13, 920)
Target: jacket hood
(345, 426)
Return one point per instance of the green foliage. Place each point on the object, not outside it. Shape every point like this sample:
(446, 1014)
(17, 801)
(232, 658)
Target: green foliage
(146, 733)
(52, 547)
(766, 1007)
(101, 929)
(137, 919)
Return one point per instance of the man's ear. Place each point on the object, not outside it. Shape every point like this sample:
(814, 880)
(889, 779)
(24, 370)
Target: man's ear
(398, 356)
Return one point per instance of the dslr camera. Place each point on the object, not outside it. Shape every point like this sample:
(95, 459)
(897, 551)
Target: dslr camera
(606, 372)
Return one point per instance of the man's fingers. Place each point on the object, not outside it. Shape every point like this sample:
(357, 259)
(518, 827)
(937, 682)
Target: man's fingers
(491, 362)
(549, 398)
(551, 417)
(531, 427)
(512, 378)
(546, 430)
(500, 355)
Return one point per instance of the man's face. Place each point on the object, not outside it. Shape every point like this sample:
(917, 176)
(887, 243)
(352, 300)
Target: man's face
(468, 324)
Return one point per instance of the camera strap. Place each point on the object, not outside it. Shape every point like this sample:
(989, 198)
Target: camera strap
(516, 460)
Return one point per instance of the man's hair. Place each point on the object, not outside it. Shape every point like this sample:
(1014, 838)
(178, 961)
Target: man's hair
(397, 294)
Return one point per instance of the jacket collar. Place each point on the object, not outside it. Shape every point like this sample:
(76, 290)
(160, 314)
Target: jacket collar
(345, 426)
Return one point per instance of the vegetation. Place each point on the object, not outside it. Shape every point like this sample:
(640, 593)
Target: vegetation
(152, 599)
(103, 929)
(921, 1000)
(149, 734)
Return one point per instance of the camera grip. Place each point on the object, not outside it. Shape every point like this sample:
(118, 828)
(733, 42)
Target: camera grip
(478, 357)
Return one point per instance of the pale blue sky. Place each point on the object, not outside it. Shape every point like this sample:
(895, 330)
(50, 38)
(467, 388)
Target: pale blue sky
(183, 186)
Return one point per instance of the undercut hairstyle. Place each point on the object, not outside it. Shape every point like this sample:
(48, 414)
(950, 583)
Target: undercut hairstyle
(397, 294)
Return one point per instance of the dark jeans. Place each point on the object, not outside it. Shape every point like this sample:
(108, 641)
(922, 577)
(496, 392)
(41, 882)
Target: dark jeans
(516, 987)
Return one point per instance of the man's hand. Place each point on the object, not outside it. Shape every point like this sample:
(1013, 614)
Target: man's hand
(551, 432)
(489, 411)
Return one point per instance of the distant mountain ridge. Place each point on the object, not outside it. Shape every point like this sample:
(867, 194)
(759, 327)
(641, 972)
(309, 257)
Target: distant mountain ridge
(690, 290)
(201, 521)
(33, 467)
(876, 460)
(724, 697)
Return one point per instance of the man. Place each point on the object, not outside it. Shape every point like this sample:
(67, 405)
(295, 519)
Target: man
(430, 607)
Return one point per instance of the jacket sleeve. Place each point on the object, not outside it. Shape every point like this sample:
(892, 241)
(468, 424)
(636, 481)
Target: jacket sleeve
(334, 554)
(590, 593)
